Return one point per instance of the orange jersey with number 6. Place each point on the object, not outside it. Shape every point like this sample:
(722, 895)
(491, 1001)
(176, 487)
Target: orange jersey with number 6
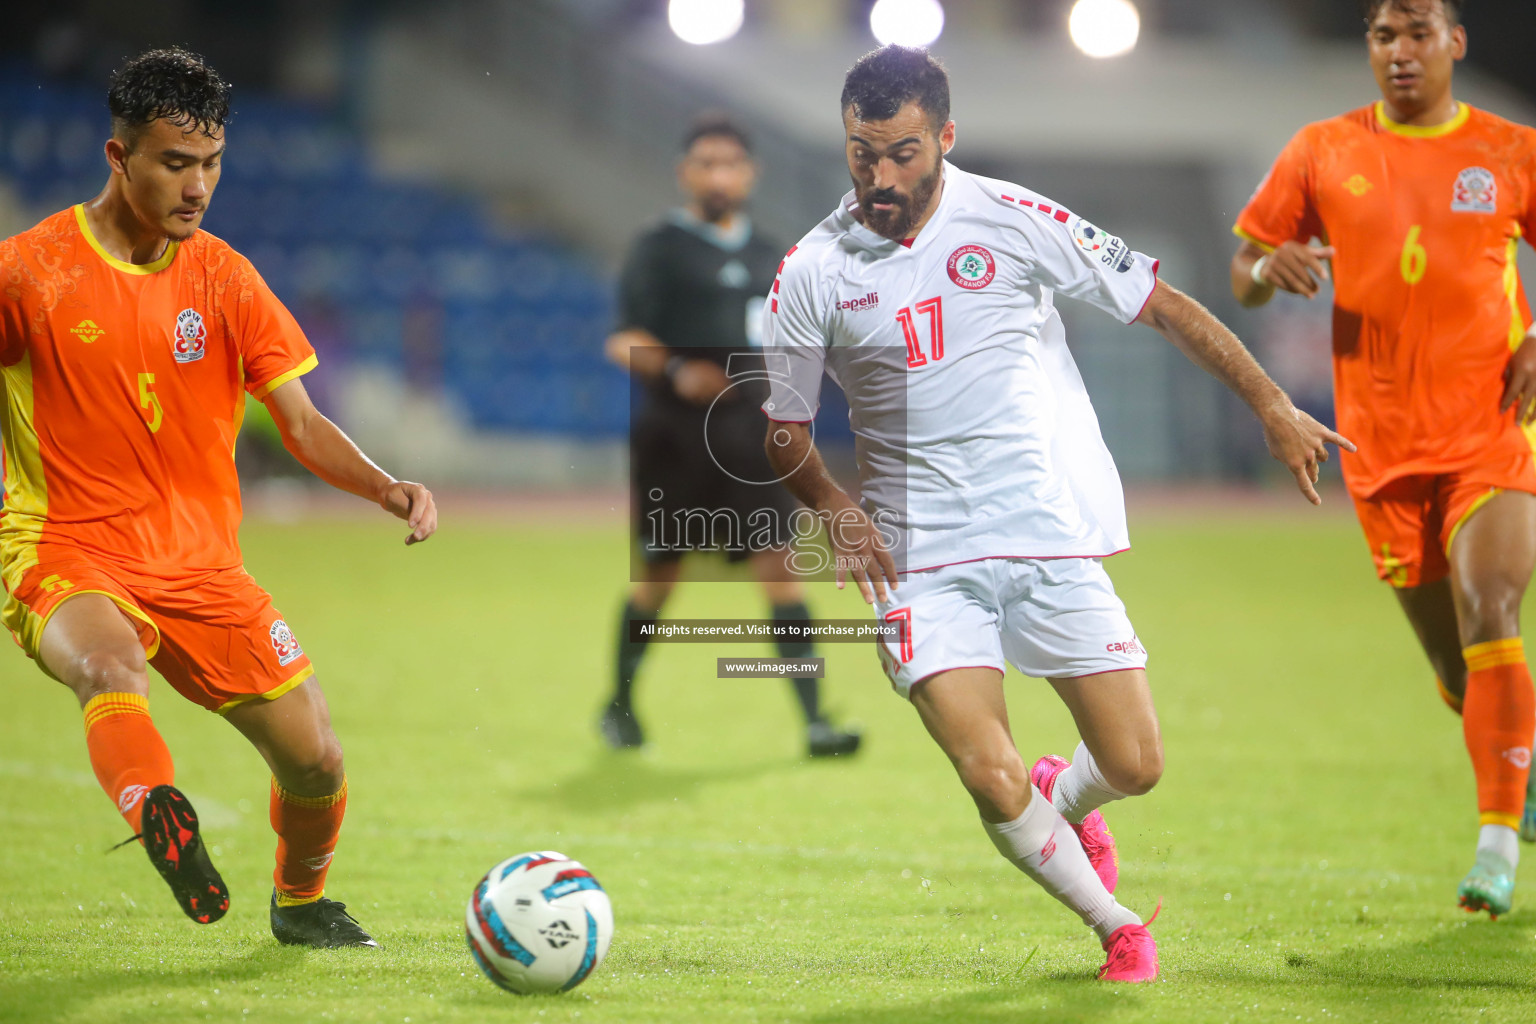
(123, 390)
(1427, 300)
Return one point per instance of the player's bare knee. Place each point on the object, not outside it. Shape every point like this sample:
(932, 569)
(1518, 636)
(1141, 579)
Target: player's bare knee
(317, 770)
(109, 671)
(1489, 613)
(1136, 775)
(999, 785)
(329, 768)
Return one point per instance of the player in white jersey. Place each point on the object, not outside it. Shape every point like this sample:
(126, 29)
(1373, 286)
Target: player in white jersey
(929, 296)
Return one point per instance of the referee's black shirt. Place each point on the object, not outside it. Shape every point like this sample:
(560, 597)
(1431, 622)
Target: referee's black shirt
(700, 291)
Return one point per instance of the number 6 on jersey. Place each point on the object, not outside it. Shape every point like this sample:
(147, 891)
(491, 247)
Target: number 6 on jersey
(1415, 258)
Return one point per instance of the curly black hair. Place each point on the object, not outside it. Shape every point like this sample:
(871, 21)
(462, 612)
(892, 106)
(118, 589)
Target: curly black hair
(1372, 8)
(883, 81)
(173, 84)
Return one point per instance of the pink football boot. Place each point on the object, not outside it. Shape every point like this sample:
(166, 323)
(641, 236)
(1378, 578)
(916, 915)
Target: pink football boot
(1097, 842)
(1132, 955)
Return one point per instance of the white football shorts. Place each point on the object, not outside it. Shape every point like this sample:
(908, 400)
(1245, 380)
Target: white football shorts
(1051, 618)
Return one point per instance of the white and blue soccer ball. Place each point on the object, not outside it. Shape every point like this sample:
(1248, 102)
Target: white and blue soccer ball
(538, 922)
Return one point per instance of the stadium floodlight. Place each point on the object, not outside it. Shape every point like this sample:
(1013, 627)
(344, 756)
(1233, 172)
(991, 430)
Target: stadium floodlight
(906, 22)
(705, 21)
(1104, 28)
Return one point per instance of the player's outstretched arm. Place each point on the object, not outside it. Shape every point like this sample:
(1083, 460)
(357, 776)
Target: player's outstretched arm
(1294, 267)
(856, 544)
(328, 453)
(1294, 438)
(638, 351)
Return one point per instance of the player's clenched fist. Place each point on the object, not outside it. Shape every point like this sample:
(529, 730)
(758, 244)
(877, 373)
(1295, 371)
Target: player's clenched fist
(413, 503)
(1520, 382)
(700, 381)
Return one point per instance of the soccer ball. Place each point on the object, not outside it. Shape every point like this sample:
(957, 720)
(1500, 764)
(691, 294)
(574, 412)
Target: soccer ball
(538, 922)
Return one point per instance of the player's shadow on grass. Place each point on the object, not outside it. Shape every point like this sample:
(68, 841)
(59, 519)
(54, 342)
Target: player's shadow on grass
(1472, 953)
(616, 781)
(59, 998)
(1068, 999)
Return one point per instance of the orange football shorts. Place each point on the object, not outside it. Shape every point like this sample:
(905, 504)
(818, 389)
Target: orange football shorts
(1411, 522)
(214, 636)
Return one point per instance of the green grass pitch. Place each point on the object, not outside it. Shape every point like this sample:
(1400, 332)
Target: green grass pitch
(1306, 842)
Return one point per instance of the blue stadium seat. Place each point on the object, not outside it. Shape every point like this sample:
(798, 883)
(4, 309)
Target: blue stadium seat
(404, 275)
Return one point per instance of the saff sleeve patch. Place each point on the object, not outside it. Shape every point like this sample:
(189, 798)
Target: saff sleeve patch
(1108, 249)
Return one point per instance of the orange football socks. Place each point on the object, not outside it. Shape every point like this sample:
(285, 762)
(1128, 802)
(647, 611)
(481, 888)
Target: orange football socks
(1498, 719)
(306, 828)
(127, 753)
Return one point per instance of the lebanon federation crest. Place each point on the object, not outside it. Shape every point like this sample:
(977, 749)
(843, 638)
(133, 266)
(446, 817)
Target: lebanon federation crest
(191, 339)
(972, 267)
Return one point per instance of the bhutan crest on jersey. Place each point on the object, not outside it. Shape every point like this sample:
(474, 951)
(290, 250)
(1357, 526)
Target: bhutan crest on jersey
(191, 339)
(284, 644)
(972, 267)
(1477, 191)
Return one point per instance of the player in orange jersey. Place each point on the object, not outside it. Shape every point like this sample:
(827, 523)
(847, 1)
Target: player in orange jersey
(1420, 201)
(128, 341)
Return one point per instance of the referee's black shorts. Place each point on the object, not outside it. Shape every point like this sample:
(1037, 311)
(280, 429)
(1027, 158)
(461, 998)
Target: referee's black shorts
(701, 481)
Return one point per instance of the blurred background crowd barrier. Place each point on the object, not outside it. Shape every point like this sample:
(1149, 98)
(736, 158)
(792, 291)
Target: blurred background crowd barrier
(443, 193)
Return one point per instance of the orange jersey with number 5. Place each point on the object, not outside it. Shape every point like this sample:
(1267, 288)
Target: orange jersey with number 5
(1427, 300)
(123, 390)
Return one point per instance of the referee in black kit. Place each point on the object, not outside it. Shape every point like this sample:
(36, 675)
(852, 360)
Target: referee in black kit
(691, 298)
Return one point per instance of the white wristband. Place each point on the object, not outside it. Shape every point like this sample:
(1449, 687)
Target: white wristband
(1257, 272)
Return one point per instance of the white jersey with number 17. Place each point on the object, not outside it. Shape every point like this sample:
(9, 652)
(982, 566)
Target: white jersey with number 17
(974, 434)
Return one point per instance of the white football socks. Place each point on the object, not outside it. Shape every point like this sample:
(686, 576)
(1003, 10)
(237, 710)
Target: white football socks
(1081, 788)
(1041, 844)
(1501, 840)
